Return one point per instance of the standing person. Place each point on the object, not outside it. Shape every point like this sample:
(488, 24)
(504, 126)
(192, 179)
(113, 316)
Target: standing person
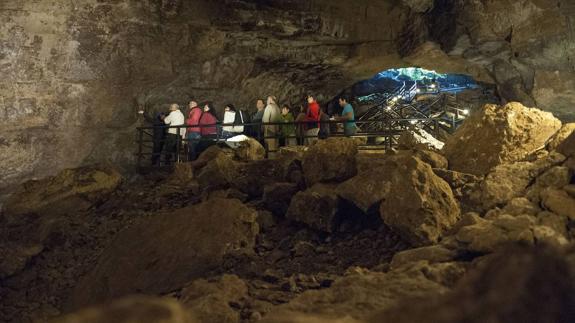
(159, 137)
(229, 118)
(174, 136)
(194, 132)
(313, 114)
(288, 131)
(272, 114)
(257, 118)
(347, 116)
(208, 121)
(301, 127)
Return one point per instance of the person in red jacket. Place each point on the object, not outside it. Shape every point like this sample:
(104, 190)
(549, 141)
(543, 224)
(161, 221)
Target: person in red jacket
(313, 114)
(208, 120)
(194, 132)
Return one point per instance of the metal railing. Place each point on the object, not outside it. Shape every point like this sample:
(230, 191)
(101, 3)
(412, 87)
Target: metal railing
(381, 134)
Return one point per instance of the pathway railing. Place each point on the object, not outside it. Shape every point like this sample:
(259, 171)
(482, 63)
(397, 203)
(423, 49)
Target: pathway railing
(381, 134)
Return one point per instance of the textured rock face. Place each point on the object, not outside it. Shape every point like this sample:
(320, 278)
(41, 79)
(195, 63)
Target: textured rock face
(140, 309)
(70, 190)
(167, 251)
(423, 207)
(316, 207)
(498, 135)
(74, 74)
(331, 160)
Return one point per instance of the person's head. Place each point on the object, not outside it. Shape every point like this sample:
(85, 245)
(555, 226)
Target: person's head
(207, 107)
(161, 116)
(260, 104)
(310, 99)
(285, 109)
(272, 99)
(193, 104)
(174, 107)
(230, 107)
(343, 100)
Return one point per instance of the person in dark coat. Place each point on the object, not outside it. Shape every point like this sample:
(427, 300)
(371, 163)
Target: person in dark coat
(159, 137)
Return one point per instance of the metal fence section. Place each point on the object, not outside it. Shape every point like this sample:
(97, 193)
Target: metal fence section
(380, 134)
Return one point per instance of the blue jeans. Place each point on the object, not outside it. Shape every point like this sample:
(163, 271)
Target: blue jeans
(193, 141)
(350, 131)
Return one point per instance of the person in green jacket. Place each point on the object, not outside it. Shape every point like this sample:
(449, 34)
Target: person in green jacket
(288, 132)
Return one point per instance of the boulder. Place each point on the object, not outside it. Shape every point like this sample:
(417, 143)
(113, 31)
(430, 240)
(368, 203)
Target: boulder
(277, 197)
(486, 236)
(141, 309)
(211, 300)
(555, 177)
(498, 134)
(515, 285)
(521, 206)
(421, 206)
(419, 5)
(557, 223)
(435, 160)
(15, 256)
(508, 181)
(331, 160)
(72, 190)
(368, 189)
(360, 293)
(560, 136)
(559, 202)
(217, 172)
(567, 147)
(431, 254)
(418, 139)
(249, 150)
(164, 252)
(317, 207)
(251, 178)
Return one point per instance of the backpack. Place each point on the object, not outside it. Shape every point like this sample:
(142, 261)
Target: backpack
(241, 118)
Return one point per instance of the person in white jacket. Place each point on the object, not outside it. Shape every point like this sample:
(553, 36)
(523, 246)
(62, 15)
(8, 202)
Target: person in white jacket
(272, 114)
(174, 135)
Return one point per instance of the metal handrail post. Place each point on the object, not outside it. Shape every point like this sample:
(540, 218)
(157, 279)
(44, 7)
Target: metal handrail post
(140, 143)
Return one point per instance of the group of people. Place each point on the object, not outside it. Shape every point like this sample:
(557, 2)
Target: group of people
(273, 126)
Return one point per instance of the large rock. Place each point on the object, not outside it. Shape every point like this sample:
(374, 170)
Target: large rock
(567, 146)
(140, 309)
(318, 207)
(217, 171)
(252, 178)
(421, 206)
(361, 293)
(560, 136)
(71, 190)
(508, 181)
(331, 160)
(559, 202)
(498, 134)
(164, 252)
(516, 285)
(277, 197)
(211, 300)
(250, 150)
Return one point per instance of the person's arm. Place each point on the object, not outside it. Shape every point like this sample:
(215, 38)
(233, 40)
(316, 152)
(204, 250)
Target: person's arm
(267, 115)
(168, 119)
(346, 117)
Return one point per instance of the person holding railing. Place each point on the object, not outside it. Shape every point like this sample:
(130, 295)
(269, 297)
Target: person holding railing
(194, 132)
(301, 127)
(272, 114)
(174, 119)
(313, 114)
(288, 131)
(347, 117)
(256, 130)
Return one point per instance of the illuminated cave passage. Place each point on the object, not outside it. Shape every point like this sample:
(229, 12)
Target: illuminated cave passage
(460, 206)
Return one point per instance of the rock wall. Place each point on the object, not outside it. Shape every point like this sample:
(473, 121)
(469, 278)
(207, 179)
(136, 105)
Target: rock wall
(76, 73)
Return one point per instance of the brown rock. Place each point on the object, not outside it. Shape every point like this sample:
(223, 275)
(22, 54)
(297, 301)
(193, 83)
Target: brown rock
(210, 300)
(277, 197)
(250, 150)
(567, 147)
(560, 136)
(558, 202)
(432, 254)
(317, 207)
(141, 309)
(164, 252)
(496, 135)
(422, 206)
(331, 160)
(71, 190)
(218, 172)
(554, 221)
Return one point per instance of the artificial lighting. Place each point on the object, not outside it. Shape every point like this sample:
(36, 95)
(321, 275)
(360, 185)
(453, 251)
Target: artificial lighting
(413, 121)
(418, 91)
(433, 86)
(466, 112)
(388, 108)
